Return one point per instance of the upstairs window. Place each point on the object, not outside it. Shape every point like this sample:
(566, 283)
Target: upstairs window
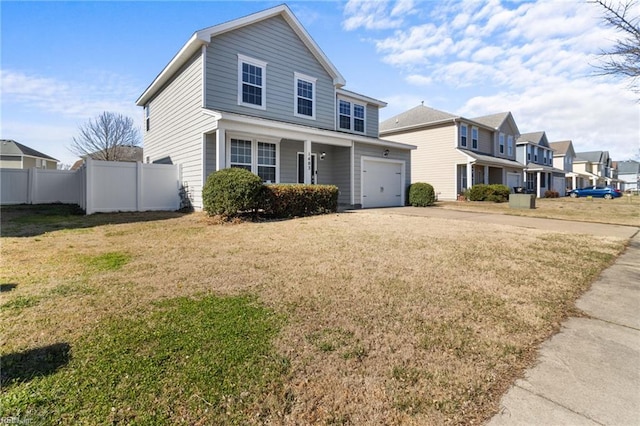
(147, 120)
(305, 94)
(510, 146)
(351, 116)
(535, 154)
(528, 153)
(474, 138)
(251, 82)
(501, 142)
(463, 135)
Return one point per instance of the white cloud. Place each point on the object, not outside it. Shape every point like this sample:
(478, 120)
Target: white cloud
(86, 97)
(419, 80)
(371, 15)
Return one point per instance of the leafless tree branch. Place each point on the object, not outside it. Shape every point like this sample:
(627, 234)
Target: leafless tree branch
(104, 137)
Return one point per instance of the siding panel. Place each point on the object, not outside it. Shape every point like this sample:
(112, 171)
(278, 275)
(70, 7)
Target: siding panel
(274, 42)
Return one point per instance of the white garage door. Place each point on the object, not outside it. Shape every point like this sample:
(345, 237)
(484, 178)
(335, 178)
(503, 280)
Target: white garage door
(381, 183)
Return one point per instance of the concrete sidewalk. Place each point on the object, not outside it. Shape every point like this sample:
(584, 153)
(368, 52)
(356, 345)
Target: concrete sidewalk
(588, 373)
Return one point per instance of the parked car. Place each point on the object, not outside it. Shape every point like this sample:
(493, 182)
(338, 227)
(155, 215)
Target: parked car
(596, 191)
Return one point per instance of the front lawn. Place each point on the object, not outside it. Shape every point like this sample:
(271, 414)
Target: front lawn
(336, 319)
(619, 211)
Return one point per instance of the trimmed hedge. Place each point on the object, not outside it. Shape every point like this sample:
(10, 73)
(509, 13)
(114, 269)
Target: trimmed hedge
(496, 193)
(228, 192)
(421, 194)
(284, 201)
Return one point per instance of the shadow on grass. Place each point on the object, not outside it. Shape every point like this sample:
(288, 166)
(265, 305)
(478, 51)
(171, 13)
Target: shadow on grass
(34, 220)
(7, 287)
(24, 366)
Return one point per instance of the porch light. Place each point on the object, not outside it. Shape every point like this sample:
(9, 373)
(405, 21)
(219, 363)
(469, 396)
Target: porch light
(322, 155)
(385, 153)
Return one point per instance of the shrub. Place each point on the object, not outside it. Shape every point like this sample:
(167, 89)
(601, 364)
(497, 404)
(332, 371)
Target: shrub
(551, 194)
(496, 193)
(421, 194)
(282, 201)
(230, 191)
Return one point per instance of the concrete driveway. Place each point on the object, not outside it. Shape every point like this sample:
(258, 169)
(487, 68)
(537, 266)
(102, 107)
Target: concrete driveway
(588, 373)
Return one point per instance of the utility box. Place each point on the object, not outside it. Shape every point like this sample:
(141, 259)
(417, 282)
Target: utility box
(522, 201)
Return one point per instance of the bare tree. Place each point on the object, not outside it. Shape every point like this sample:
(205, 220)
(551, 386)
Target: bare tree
(623, 59)
(107, 137)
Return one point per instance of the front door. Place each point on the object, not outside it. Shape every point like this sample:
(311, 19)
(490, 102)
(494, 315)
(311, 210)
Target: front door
(314, 170)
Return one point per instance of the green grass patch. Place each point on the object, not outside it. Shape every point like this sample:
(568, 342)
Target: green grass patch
(21, 302)
(111, 261)
(208, 361)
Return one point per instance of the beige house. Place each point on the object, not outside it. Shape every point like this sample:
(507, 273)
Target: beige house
(597, 166)
(563, 158)
(14, 155)
(453, 152)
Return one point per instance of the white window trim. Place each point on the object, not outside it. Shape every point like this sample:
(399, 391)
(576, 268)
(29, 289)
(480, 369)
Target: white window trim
(299, 76)
(465, 134)
(476, 139)
(258, 63)
(254, 150)
(352, 117)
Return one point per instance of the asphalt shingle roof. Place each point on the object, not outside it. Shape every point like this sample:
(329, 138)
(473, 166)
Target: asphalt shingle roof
(414, 117)
(494, 120)
(11, 147)
(560, 147)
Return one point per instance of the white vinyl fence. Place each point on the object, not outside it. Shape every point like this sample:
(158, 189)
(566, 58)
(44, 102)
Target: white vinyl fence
(98, 186)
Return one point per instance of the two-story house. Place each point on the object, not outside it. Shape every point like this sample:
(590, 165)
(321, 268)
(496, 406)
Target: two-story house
(258, 93)
(14, 155)
(597, 165)
(539, 175)
(629, 175)
(453, 152)
(563, 157)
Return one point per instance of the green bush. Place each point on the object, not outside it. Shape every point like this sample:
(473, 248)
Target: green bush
(496, 193)
(283, 201)
(421, 194)
(228, 192)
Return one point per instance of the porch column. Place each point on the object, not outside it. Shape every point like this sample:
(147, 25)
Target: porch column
(469, 175)
(486, 175)
(573, 182)
(221, 150)
(307, 159)
(538, 184)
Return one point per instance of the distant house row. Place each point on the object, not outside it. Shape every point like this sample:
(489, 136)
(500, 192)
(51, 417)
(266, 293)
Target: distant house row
(258, 93)
(454, 153)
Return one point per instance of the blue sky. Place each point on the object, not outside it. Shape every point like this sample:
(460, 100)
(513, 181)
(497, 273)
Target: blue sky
(63, 63)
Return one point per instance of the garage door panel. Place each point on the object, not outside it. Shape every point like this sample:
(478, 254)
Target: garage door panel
(381, 184)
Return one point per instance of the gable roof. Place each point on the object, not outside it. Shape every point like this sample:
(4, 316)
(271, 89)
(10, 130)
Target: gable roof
(11, 147)
(493, 120)
(420, 115)
(203, 37)
(593, 156)
(561, 148)
(534, 138)
(628, 167)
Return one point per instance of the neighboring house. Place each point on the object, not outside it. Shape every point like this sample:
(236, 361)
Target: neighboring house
(563, 158)
(534, 151)
(258, 93)
(127, 153)
(14, 155)
(453, 152)
(595, 164)
(629, 175)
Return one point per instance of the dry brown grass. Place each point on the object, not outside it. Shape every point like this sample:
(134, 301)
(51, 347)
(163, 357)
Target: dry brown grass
(620, 211)
(391, 319)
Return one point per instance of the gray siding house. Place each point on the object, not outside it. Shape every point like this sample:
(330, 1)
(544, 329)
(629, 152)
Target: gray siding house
(534, 151)
(453, 152)
(259, 93)
(629, 175)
